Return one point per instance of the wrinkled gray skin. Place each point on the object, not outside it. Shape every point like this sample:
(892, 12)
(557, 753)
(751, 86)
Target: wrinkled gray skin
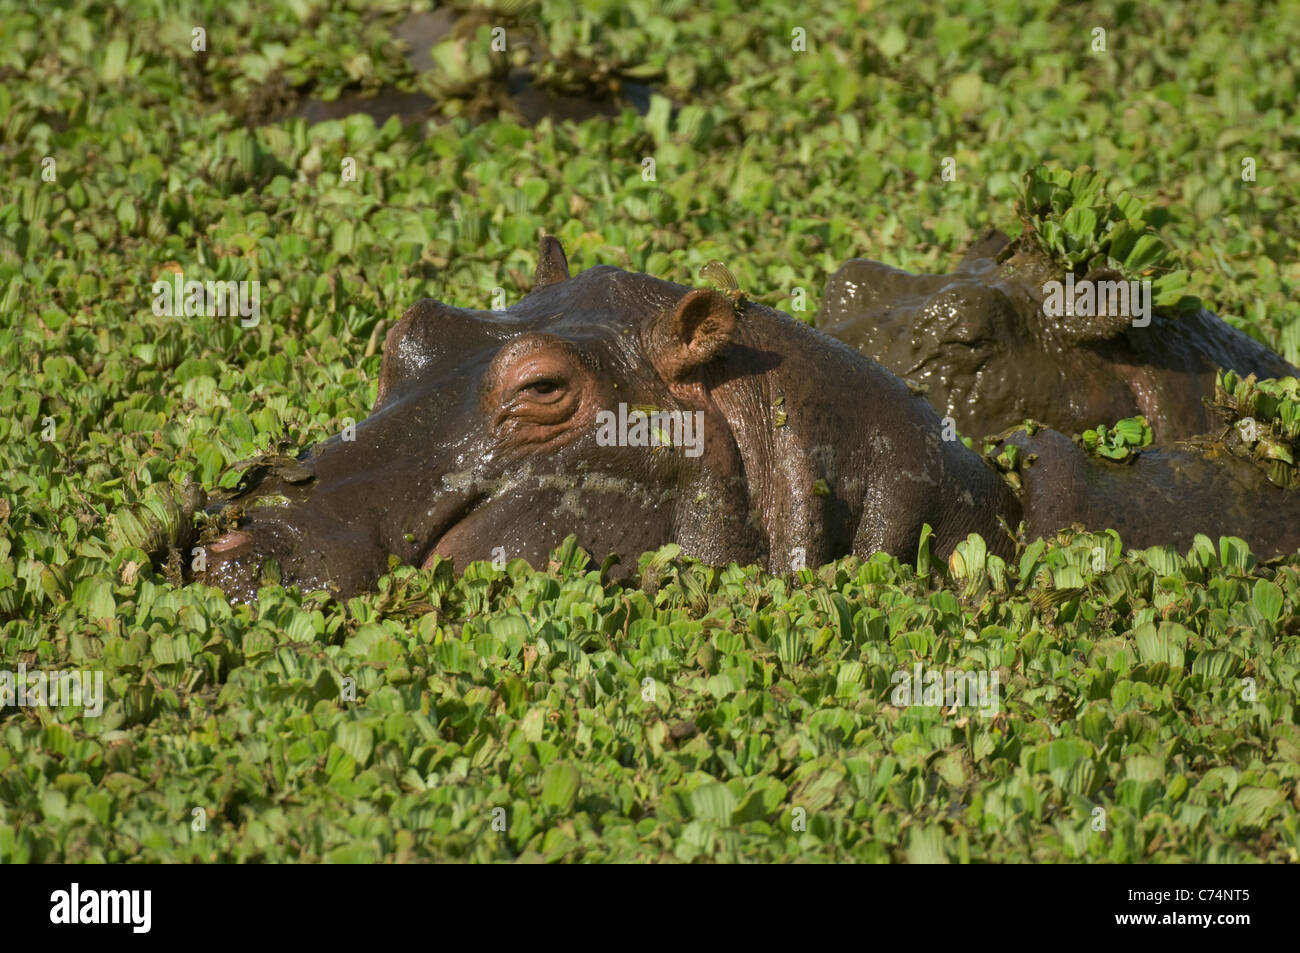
(483, 435)
(978, 341)
(1163, 497)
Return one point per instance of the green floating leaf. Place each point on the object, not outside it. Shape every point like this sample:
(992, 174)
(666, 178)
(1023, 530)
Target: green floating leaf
(713, 802)
(1267, 597)
(560, 784)
(923, 551)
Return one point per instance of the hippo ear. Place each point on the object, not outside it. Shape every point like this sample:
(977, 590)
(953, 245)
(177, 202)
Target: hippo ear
(988, 246)
(693, 333)
(552, 266)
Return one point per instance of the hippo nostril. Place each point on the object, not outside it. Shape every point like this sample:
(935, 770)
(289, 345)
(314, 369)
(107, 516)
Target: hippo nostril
(229, 541)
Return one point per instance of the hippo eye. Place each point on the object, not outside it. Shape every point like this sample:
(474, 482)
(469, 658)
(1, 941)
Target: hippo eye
(542, 387)
(535, 382)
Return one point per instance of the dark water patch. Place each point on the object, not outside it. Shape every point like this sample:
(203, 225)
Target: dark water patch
(422, 32)
(517, 93)
(535, 102)
(408, 107)
(530, 101)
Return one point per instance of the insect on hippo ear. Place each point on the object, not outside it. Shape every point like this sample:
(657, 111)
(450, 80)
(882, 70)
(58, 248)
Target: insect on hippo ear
(552, 266)
(693, 333)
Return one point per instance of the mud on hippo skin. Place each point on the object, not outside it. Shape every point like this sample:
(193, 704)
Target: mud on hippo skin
(484, 437)
(1161, 496)
(979, 342)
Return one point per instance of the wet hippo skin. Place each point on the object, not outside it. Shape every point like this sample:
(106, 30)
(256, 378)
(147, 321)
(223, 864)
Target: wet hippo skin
(979, 343)
(1163, 496)
(485, 438)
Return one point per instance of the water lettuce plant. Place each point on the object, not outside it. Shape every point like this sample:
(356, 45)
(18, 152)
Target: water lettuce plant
(1147, 700)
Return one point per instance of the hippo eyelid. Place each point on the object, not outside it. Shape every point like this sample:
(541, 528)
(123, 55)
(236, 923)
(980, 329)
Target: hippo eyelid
(544, 387)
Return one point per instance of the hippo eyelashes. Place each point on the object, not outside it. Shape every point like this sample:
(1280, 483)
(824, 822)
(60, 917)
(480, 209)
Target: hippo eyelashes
(538, 387)
(544, 378)
(542, 388)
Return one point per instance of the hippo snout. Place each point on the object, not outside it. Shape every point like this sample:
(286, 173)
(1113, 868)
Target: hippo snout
(228, 542)
(292, 546)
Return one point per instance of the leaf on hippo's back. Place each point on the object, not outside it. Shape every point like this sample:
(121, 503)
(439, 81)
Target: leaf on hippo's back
(1052, 236)
(1010, 458)
(1121, 240)
(1134, 431)
(1086, 186)
(1270, 449)
(1283, 473)
(1080, 222)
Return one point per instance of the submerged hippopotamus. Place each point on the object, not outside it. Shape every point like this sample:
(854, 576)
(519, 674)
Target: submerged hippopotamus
(980, 342)
(631, 412)
(1159, 496)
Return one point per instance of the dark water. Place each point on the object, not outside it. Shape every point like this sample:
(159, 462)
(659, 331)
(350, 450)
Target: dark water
(420, 32)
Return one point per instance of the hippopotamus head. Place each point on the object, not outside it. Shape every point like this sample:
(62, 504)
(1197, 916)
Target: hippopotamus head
(977, 342)
(626, 410)
(987, 350)
(498, 433)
